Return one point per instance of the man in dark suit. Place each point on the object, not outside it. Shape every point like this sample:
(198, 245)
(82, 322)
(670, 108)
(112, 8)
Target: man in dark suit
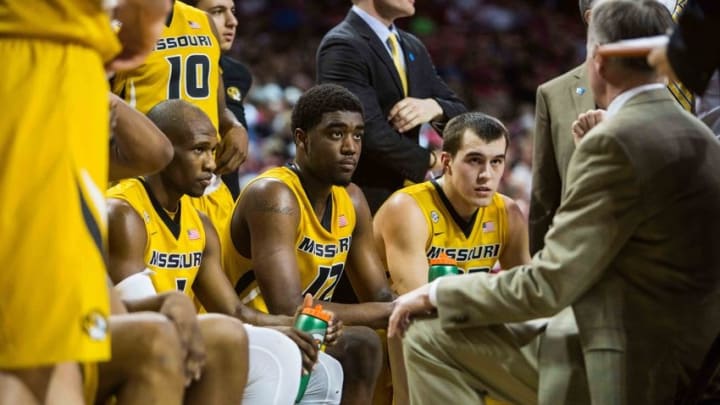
(397, 95)
(632, 250)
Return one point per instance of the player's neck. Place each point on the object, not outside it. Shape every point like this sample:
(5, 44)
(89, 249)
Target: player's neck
(464, 210)
(316, 190)
(167, 198)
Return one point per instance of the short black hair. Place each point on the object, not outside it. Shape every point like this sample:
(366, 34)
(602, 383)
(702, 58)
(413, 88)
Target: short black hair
(484, 126)
(322, 99)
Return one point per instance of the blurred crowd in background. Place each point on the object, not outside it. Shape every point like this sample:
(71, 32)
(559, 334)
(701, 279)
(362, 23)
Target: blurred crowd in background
(493, 53)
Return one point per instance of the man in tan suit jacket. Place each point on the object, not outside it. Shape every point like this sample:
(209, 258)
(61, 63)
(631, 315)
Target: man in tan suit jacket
(557, 104)
(632, 250)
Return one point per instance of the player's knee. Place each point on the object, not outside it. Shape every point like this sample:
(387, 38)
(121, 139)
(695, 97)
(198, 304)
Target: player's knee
(162, 354)
(360, 353)
(226, 341)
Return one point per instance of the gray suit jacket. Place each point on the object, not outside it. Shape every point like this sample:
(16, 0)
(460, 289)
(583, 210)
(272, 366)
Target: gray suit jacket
(557, 105)
(633, 249)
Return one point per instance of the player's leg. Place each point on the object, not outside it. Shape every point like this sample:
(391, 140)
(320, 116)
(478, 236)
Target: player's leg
(326, 382)
(275, 365)
(24, 386)
(360, 352)
(225, 373)
(147, 361)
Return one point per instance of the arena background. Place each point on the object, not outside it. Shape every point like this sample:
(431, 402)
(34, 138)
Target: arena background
(493, 53)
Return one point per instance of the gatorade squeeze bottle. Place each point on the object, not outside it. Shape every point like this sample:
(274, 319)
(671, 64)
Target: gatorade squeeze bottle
(313, 321)
(443, 265)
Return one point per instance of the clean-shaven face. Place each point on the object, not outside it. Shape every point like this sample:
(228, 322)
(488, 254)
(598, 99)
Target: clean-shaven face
(474, 172)
(223, 15)
(392, 9)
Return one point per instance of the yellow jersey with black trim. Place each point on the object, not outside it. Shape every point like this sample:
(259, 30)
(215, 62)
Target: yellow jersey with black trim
(322, 245)
(175, 246)
(83, 22)
(184, 65)
(476, 244)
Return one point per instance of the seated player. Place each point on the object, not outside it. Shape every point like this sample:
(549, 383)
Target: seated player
(460, 213)
(297, 229)
(159, 242)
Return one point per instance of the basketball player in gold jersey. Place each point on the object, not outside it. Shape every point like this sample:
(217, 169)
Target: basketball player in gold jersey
(159, 243)
(185, 65)
(53, 297)
(298, 229)
(459, 213)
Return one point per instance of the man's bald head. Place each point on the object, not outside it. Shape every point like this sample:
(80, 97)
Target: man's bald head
(180, 120)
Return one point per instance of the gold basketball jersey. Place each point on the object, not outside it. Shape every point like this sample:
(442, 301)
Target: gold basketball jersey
(175, 247)
(321, 253)
(183, 65)
(476, 244)
(82, 22)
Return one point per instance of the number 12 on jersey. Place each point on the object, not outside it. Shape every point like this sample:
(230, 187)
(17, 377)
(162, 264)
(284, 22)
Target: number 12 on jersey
(323, 286)
(191, 75)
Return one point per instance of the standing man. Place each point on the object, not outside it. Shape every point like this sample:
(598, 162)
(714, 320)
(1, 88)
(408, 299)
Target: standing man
(392, 74)
(54, 305)
(642, 186)
(236, 77)
(557, 104)
(297, 229)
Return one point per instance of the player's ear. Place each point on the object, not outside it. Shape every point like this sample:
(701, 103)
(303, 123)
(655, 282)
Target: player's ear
(300, 137)
(445, 159)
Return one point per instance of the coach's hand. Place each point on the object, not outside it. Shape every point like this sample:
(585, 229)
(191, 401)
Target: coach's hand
(585, 122)
(179, 309)
(414, 303)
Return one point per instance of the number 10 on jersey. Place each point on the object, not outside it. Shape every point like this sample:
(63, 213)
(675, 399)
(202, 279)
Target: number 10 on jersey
(191, 75)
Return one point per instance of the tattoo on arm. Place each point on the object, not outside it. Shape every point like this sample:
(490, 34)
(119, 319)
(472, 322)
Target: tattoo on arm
(260, 204)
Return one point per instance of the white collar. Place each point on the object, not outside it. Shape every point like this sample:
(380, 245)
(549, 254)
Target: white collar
(625, 96)
(380, 29)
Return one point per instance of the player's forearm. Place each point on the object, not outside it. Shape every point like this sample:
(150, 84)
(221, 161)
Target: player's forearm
(372, 314)
(227, 120)
(254, 317)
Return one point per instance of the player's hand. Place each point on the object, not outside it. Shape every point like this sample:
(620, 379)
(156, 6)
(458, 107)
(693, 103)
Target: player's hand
(414, 303)
(232, 150)
(142, 23)
(585, 122)
(306, 344)
(179, 309)
(411, 112)
(657, 58)
(335, 326)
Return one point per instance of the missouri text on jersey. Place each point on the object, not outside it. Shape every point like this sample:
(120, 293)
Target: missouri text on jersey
(308, 245)
(175, 260)
(465, 254)
(183, 41)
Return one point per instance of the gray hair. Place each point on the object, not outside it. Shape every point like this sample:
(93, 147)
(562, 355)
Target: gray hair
(626, 19)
